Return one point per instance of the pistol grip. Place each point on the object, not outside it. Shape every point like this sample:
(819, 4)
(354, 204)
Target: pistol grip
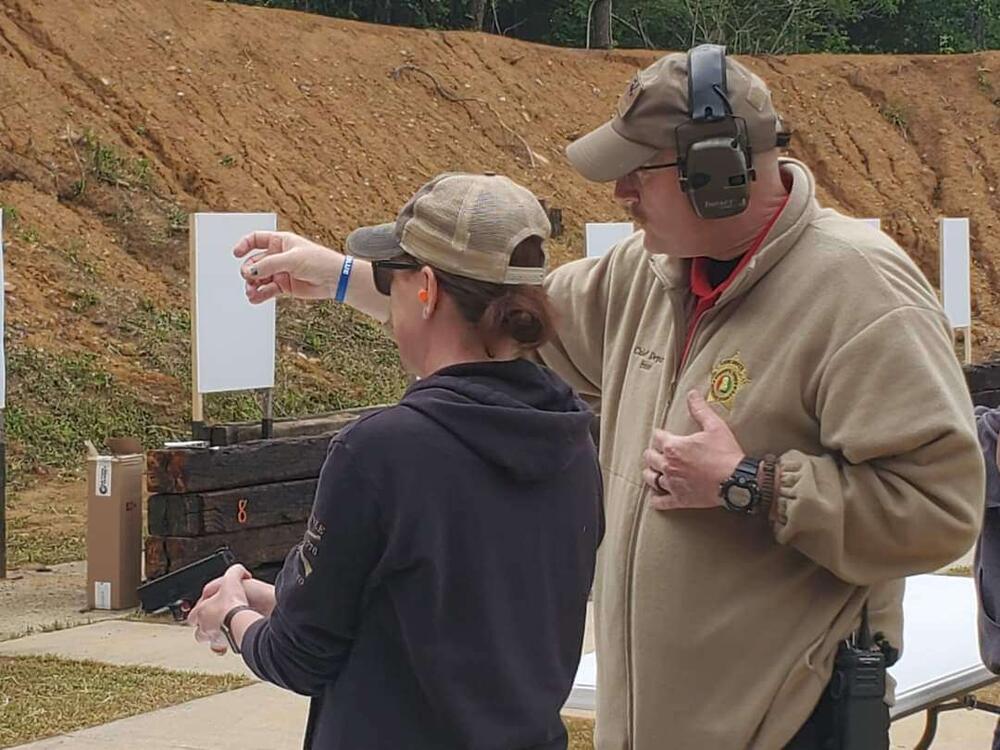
(180, 610)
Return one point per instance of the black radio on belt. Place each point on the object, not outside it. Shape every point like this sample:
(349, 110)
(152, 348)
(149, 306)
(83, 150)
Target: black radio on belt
(857, 717)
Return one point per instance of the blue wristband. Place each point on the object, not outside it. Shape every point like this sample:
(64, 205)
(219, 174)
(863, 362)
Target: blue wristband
(345, 276)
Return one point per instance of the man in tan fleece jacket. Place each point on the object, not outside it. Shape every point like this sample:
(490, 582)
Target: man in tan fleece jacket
(787, 344)
(787, 330)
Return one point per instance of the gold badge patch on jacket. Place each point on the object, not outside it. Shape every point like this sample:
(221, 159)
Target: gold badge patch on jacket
(728, 379)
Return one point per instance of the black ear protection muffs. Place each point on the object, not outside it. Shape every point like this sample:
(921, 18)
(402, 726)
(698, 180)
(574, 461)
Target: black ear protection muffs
(713, 148)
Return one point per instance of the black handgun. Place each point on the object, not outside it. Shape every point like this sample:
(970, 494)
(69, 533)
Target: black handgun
(180, 590)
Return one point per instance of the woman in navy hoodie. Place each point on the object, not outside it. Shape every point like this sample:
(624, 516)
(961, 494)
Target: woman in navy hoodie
(439, 596)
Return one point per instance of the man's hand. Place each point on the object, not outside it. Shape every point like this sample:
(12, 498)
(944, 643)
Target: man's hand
(686, 471)
(289, 264)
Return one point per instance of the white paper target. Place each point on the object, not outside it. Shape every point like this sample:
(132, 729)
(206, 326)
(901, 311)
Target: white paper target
(603, 237)
(954, 267)
(235, 340)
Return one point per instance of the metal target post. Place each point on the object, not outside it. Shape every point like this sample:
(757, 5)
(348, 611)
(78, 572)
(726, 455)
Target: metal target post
(267, 412)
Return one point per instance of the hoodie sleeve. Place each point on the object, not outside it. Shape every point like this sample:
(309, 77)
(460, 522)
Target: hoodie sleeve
(900, 490)
(987, 571)
(305, 642)
(987, 562)
(579, 293)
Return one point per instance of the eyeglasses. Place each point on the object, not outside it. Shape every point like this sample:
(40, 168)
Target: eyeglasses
(649, 167)
(382, 272)
(635, 177)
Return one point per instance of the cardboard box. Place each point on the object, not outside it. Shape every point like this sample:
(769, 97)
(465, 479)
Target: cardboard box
(114, 529)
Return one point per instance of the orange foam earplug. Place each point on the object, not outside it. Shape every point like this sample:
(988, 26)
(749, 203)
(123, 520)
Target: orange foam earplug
(422, 296)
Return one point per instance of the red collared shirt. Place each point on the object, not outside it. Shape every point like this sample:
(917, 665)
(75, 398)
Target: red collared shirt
(707, 295)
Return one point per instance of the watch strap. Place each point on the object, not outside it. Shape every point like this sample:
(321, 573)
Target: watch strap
(748, 468)
(227, 625)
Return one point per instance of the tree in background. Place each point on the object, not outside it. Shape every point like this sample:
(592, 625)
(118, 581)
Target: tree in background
(936, 26)
(600, 15)
(764, 26)
(477, 13)
(767, 26)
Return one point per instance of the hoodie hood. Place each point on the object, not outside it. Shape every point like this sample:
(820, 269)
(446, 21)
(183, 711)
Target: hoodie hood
(515, 415)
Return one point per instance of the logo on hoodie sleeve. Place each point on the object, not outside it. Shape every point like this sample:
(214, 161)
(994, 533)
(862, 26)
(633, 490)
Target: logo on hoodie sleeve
(309, 549)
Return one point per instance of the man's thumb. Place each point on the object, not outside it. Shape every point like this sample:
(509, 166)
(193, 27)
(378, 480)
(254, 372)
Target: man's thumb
(701, 411)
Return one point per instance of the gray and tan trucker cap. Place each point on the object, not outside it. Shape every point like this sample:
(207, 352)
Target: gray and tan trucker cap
(654, 104)
(465, 224)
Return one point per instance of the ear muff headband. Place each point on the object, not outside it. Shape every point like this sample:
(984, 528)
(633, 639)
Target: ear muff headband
(707, 88)
(713, 147)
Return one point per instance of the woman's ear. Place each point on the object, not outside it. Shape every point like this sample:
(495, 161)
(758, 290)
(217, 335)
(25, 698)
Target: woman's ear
(430, 285)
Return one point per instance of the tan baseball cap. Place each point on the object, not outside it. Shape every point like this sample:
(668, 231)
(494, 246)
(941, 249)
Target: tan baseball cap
(654, 104)
(465, 224)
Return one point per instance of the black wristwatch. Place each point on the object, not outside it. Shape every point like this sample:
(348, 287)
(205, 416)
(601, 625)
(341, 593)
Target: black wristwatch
(741, 493)
(227, 628)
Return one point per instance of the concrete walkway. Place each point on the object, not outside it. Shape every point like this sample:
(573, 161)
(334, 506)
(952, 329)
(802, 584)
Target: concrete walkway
(262, 717)
(129, 643)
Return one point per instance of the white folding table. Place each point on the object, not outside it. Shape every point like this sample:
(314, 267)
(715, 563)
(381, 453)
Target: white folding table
(940, 659)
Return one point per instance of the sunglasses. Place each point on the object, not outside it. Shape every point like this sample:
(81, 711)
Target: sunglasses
(382, 272)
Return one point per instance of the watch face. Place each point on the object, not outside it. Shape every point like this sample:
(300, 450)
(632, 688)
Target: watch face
(741, 497)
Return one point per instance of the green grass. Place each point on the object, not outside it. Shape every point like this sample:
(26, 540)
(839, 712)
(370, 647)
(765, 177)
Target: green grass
(28, 235)
(896, 115)
(177, 219)
(142, 171)
(162, 338)
(350, 345)
(345, 343)
(960, 571)
(44, 545)
(45, 696)
(71, 253)
(57, 401)
(107, 164)
(15, 227)
(83, 300)
(581, 733)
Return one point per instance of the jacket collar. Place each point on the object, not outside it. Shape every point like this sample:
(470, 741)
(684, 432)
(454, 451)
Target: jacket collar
(799, 212)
